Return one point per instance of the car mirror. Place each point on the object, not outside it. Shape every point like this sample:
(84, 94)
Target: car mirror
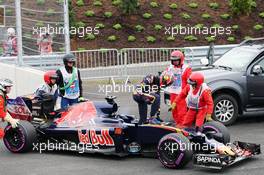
(204, 61)
(257, 70)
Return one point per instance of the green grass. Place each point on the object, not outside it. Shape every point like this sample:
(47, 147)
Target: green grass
(147, 15)
(97, 3)
(191, 38)
(261, 14)
(112, 38)
(100, 25)
(80, 24)
(89, 13)
(108, 14)
(210, 38)
(185, 16)
(193, 5)
(131, 38)
(206, 16)
(216, 25)
(151, 39)
(258, 27)
(214, 5)
(173, 6)
(154, 4)
(231, 39)
(158, 27)
(199, 26)
(116, 2)
(225, 16)
(235, 27)
(139, 28)
(80, 3)
(170, 38)
(89, 37)
(167, 16)
(117, 26)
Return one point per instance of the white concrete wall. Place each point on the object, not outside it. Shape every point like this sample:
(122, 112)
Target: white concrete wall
(26, 80)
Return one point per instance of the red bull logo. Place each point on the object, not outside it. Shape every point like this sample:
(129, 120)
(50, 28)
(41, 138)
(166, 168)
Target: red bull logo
(91, 137)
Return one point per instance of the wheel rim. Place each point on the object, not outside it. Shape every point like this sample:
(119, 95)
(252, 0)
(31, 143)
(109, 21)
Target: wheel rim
(224, 110)
(14, 139)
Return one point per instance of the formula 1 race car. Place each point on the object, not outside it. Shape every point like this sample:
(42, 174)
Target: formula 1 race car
(96, 127)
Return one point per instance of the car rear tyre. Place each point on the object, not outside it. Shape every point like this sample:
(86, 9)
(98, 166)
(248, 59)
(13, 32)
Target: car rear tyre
(20, 139)
(174, 151)
(214, 128)
(225, 109)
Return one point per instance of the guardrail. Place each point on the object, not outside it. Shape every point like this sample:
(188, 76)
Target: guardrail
(117, 63)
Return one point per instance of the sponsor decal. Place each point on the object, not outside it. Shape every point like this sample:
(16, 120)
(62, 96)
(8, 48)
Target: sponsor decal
(134, 147)
(91, 137)
(208, 159)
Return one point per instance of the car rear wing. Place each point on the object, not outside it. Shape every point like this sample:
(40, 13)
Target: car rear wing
(253, 41)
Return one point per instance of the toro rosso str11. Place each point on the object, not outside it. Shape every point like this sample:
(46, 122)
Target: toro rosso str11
(98, 125)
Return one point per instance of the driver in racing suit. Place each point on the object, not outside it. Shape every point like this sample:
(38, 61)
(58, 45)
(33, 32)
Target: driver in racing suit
(199, 101)
(181, 74)
(5, 88)
(148, 93)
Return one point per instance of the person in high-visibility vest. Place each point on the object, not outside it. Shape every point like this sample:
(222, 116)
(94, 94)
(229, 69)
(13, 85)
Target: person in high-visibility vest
(5, 88)
(69, 82)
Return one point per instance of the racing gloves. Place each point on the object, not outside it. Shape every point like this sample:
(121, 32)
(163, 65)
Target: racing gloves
(173, 106)
(13, 122)
(81, 99)
(208, 117)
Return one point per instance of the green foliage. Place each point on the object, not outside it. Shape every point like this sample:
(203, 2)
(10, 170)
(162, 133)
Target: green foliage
(158, 27)
(210, 38)
(225, 16)
(108, 14)
(147, 15)
(253, 4)
(241, 6)
(97, 3)
(216, 25)
(81, 49)
(191, 38)
(185, 16)
(247, 37)
(89, 13)
(8, 12)
(261, 14)
(112, 38)
(80, 24)
(167, 16)
(170, 38)
(117, 26)
(214, 5)
(40, 2)
(131, 38)
(193, 5)
(139, 28)
(231, 39)
(1, 50)
(40, 24)
(258, 27)
(206, 16)
(89, 37)
(154, 4)
(60, 1)
(199, 26)
(50, 12)
(235, 27)
(116, 2)
(80, 3)
(129, 6)
(100, 25)
(173, 6)
(151, 39)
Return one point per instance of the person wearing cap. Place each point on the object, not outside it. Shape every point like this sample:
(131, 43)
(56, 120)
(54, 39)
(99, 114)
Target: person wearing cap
(5, 88)
(181, 73)
(10, 45)
(69, 82)
(199, 101)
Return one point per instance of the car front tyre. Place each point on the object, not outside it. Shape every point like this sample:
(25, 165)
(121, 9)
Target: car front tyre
(225, 109)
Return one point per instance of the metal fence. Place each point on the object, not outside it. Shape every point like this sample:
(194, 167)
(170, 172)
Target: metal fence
(104, 63)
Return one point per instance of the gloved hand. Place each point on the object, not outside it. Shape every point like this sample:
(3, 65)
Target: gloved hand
(208, 117)
(173, 106)
(81, 99)
(12, 121)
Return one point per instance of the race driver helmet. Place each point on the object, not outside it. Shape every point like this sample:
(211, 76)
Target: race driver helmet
(51, 74)
(166, 78)
(196, 79)
(177, 58)
(4, 83)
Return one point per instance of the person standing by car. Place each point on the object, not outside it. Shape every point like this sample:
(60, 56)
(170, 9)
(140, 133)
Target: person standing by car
(199, 101)
(69, 82)
(181, 73)
(10, 45)
(148, 93)
(5, 88)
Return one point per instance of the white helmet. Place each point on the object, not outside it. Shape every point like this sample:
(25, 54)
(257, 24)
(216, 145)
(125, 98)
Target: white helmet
(11, 32)
(5, 83)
